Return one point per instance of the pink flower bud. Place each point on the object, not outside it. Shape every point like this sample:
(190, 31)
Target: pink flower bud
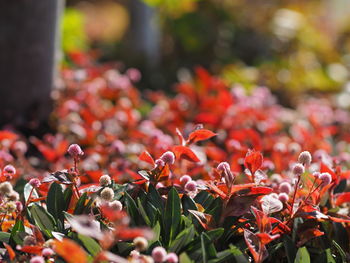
(285, 187)
(159, 185)
(116, 205)
(47, 252)
(316, 174)
(168, 157)
(222, 166)
(172, 258)
(9, 169)
(37, 259)
(185, 179)
(19, 206)
(326, 178)
(298, 169)
(118, 146)
(159, 254)
(305, 158)
(191, 186)
(283, 197)
(75, 150)
(35, 182)
(20, 146)
(159, 163)
(133, 74)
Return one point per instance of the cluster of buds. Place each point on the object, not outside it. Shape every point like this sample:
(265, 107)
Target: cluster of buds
(188, 184)
(225, 170)
(9, 171)
(107, 194)
(166, 158)
(160, 255)
(9, 198)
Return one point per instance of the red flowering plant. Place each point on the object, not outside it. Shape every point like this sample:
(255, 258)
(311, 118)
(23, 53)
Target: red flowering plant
(213, 174)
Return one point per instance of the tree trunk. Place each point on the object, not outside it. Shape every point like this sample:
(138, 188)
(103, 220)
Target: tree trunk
(28, 34)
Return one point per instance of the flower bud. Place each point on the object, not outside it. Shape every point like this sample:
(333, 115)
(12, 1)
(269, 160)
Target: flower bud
(185, 179)
(191, 186)
(116, 205)
(47, 252)
(37, 259)
(305, 158)
(168, 157)
(159, 163)
(5, 188)
(105, 180)
(107, 194)
(223, 166)
(75, 150)
(35, 182)
(326, 178)
(285, 187)
(172, 258)
(140, 243)
(283, 197)
(298, 169)
(159, 254)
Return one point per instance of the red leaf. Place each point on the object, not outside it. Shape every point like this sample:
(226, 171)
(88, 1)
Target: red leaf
(260, 190)
(181, 137)
(32, 249)
(307, 235)
(146, 157)
(125, 233)
(253, 160)
(216, 189)
(266, 238)
(70, 251)
(11, 252)
(256, 248)
(7, 135)
(325, 169)
(200, 135)
(205, 220)
(342, 198)
(185, 153)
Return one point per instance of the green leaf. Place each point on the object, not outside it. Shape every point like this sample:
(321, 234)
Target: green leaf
(152, 213)
(172, 216)
(215, 209)
(80, 206)
(182, 240)
(133, 212)
(67, 196)
(204, 198)
(90, 244)
(187, 204)
(290, 249)
(5, 237)
(143, 212)
(340, 251)
(43, 219)
(302, 256)
(156, 233)
(184, 258)
(207, 248)
(233, 255)
(155, 198)
(55, 201)
(16, 230)
(329, 256)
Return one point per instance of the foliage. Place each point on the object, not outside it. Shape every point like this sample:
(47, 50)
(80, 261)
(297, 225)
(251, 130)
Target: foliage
(212, 174)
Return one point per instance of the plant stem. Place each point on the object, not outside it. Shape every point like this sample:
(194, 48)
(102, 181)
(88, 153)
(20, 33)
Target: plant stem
(294, 195)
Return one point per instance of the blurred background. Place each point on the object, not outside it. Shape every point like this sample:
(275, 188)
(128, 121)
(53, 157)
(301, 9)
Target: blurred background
(293, 47)
(290, 46)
